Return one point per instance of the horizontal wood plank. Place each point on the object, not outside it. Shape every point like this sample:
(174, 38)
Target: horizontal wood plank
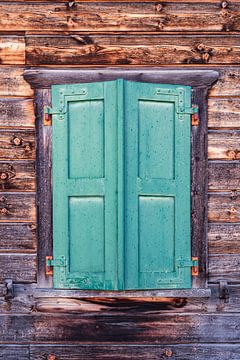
(120, 16)
(27, 297)
(223, 176)
(82, 49)
(228, 83)
(17, 176)
(17, 237)
(17, 207)
(224, 239)
(17, 144)
(136, 352)
(224, 267)
(16, 112)
(12, 82)
(18, 267)
(223, 113)
(138, 328)
(11, 352)
(224, 145)
(12, 50)
(224, 207)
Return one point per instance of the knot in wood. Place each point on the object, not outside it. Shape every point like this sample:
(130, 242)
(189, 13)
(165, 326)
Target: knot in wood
(232, 211)
(4, 211)
(17, 141)
(224, 4)
(206, 57)
(168, 353)
(51, 357)
(27, 147)
(159, 7)
(3, 176)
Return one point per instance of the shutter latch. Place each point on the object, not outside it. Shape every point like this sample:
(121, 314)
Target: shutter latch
(50, 263)
(189, 263)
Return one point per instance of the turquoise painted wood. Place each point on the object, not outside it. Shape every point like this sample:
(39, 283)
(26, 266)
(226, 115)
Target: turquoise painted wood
(157, 186)
(121, 186)
(84, 175)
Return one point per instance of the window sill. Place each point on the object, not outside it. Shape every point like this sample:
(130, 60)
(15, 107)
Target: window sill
(185, 293)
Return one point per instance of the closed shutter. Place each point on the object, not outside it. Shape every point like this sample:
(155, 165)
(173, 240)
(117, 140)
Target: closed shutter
(84, 175)
(121, 186)
(157, 177)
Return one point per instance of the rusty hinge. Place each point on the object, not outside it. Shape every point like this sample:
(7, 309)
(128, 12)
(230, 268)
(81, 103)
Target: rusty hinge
(50, 263)
(193, 263)
(47, 116)
(195, 115)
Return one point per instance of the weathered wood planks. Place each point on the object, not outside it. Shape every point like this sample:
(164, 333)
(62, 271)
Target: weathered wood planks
(16, 112)
(224, 267)
(12, 82)
(18, 267)
(9, 352)
(224, 113)
(116, 326)
(120, 16)
(17, 176)
(224, 145)
(82, 49)
(12, 50)
(17, 207)
(224, 239)
(139, 352)
(223, 175)
(224, 207)
(17, 144)
(17, 237)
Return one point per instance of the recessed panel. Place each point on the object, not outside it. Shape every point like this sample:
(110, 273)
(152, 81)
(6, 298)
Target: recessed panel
(86, 139)
(156, 234)
(86, 234)
(156, 140)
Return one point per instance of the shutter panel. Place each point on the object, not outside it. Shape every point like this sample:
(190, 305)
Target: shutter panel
(157, 186)
(84, 180)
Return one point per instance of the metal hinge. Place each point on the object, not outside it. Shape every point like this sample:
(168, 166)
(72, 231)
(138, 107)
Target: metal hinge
(189, 263)
(47, 116)
(191, 111)
(50, 263)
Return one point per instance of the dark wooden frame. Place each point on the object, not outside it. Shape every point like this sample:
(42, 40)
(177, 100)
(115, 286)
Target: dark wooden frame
(201, 81)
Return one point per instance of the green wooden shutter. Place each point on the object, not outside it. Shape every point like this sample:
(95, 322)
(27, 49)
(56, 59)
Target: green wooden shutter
(157, 186)
(121, 186)
(84, 174)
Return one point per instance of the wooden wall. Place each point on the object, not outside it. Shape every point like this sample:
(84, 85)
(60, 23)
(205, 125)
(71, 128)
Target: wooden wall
(83, 33)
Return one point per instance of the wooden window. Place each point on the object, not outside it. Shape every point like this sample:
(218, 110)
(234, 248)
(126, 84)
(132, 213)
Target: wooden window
(126, 175)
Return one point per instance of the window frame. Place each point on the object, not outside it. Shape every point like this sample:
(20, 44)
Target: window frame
(200, 81)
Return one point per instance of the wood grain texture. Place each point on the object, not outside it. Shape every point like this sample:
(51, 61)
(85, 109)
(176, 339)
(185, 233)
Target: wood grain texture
(9, 352)
(223, 239)
(224, 113)
(18, 267)
(223, 175)
(224, 145)
(120, 16)
(17, 237)
(116, 326)
(224, 207)
(82, 49)
(12, 82)
(28, 299)
(17, 144)
(224, 267)
(12, 50)
(16, 112)
(228, 83)
(17, 176)
(140, 352)
(17, 207)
